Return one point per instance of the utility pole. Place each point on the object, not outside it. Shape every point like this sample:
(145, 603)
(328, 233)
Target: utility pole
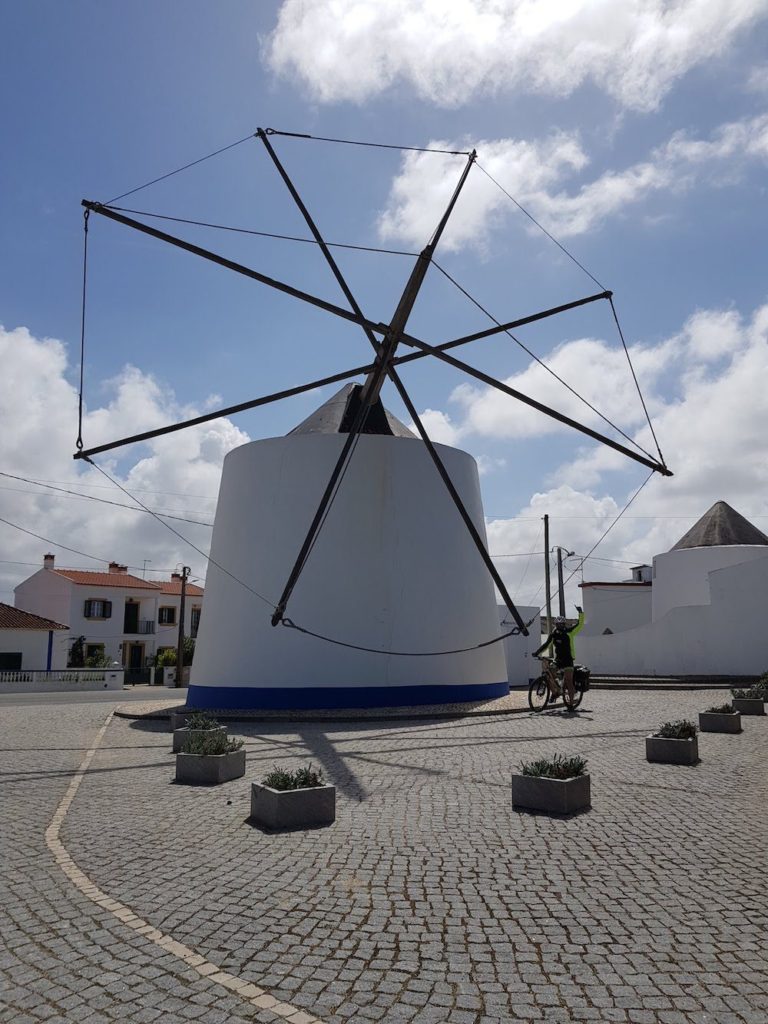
(560, 587)
(144, 570)
(548, 583)
(560, 590)
(180, 646)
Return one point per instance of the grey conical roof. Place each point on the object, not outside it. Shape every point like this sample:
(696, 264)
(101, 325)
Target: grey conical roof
(720, 526)
(335, 415)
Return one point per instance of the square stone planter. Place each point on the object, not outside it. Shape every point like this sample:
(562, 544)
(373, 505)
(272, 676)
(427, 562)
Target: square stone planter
(748, 705)
(556, 796)
(662, 750)
(716, 721)
(210, 769)
(177, 717)
(179, 735)
(292, 808)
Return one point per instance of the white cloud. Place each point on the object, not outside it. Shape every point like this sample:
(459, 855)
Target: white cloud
(452, 53)
(536, 173)
(177, 473)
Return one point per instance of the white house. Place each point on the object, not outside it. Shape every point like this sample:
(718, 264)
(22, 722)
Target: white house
(121, 616)
(31, 642)
(701, 614)
(518, 649)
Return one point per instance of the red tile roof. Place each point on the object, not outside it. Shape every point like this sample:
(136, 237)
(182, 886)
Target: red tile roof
(15, 618)
(105, 579)
(174, 587)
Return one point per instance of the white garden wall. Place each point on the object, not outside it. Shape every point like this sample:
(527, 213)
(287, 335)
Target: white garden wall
(725, 637)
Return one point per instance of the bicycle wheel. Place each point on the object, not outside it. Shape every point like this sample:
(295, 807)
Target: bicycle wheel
(538, 694)
(573, 702)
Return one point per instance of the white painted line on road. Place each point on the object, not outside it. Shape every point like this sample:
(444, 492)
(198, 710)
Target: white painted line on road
(212, 972)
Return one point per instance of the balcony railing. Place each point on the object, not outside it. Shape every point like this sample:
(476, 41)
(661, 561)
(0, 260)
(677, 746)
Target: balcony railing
(140, 628)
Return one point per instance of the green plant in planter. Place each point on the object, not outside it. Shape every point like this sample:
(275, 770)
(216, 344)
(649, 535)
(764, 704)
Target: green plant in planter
(202, 720)
(557, 767)
(302, 778)
(210, 743)
(680, 730)
(753, 693)
(721, 709)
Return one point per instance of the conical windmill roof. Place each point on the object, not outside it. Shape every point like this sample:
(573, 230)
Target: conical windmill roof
(336, 415)
(721, 526)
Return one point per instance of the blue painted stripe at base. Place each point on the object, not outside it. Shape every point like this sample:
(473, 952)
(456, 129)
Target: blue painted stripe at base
(317, 697)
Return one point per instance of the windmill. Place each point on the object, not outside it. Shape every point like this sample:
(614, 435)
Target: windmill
(396, 607)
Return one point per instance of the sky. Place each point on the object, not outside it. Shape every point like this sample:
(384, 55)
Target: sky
(636, 134)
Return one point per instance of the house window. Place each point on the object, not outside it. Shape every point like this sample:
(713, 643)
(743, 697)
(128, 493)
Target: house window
(195, 621)
(94, 650)
(10, 661)
(97, 609)
(166, 615)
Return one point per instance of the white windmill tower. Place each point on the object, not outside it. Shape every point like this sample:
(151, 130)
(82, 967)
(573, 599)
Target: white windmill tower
(390, 589)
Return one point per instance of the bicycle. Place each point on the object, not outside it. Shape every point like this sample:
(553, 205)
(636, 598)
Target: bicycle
(540, 691)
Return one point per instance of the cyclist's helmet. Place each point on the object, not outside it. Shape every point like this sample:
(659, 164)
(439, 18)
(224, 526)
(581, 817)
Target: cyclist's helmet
(559, 622)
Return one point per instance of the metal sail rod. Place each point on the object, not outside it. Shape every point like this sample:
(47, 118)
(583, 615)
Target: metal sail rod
(658, 467)
(229, 411)
(222, 261)
(354, 306)
(408, 340)
(445, 476)
(372, 386)
(362, 412)
(317, 520)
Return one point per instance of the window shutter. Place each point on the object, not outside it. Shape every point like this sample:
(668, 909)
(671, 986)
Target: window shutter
(87, 610)
(107, 609)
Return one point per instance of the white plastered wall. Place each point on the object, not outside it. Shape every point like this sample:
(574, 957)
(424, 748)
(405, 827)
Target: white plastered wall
(393, 569)
(617, 608)
(32, 644)
(518, 649)
(724, 637)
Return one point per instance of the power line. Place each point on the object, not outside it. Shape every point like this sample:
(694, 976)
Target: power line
(90, 497)
(181, 536)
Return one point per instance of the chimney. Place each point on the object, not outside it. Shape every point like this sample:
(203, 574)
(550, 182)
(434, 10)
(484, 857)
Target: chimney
(48, 561)
(175, 575)
(116, 567)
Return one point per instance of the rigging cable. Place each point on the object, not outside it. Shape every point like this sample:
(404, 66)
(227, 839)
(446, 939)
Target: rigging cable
(181, 536)
(374, 145)
(541, 227)
(634, 377)
(260, 234)
(544, 365)
(289, 623)
(610, 527)
(178, 170)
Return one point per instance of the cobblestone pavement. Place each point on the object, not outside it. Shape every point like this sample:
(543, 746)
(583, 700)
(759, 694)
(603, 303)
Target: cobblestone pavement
(428, 901)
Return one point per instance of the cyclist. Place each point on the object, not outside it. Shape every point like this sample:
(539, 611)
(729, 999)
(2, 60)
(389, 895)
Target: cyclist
(560, 641)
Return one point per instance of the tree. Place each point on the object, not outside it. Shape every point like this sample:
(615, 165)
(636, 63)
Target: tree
(76, 657)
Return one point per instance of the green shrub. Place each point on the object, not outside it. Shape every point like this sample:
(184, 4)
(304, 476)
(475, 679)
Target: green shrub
(302, 778)
(680, 730)
(721, 709)
(753, 693)
(210, 743)
(557, 767)
(202, 720)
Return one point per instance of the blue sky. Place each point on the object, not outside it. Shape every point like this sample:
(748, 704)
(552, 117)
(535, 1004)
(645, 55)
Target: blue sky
(637, 134)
